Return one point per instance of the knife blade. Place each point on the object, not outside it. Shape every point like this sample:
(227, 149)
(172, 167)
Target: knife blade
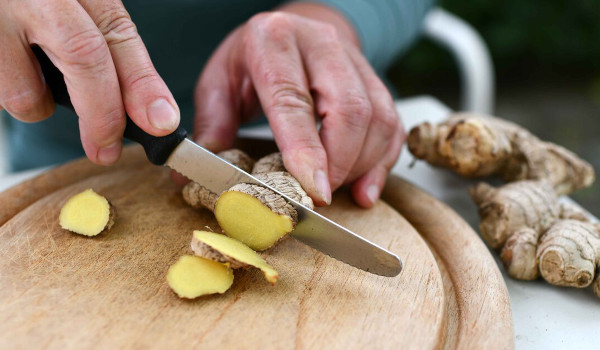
(199, 164)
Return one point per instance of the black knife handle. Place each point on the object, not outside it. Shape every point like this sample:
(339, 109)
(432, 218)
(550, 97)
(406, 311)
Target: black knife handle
(158, 149)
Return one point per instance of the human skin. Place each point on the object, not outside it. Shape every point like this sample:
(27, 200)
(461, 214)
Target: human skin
(298, 63)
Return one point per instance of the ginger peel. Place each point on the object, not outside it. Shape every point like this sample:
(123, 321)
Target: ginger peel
(87, 213)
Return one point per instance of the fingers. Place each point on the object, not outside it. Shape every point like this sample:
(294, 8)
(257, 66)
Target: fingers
(383, 142)
(385, 121)
(217, 109)
(341, 99)
(276, 69)
(367, 189)
(147, 99)
(76, 46)
(23, 93)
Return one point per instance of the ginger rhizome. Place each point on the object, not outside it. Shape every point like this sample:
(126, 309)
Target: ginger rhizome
(193, 276)
(538, 235)
(220, 248)
(478, 146)
(251, 213)
(87, 213)
(252, 217)
(199, 196)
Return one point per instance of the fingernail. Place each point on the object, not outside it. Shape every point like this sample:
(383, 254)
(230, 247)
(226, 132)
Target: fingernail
(373, 193)
(322, 186)
(162, 115)
(109, 154)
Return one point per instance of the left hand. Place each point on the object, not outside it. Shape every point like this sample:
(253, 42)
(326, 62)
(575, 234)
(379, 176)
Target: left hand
(295, 63)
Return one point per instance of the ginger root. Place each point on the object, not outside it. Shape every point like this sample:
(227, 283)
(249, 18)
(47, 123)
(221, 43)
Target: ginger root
(538, 235)
(199, 196)
(192, 276)
(87, 213)
(519, 204)
(250, 213)
(223, 249)
(568, 253)
(478, 146)
(268, 164)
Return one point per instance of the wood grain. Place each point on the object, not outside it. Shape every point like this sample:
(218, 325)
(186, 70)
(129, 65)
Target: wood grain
(477, 299)
(63, 291)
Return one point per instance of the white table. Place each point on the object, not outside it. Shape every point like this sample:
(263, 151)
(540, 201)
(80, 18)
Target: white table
(545, 317)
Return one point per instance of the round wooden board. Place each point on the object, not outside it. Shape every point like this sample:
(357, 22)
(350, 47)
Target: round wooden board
(478, 305)
(60, 290)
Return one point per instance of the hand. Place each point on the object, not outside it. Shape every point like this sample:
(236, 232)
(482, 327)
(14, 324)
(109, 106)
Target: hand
(106, 67)
(295, 67)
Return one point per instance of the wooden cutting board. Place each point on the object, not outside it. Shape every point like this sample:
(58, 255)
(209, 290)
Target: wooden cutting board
(60, 290)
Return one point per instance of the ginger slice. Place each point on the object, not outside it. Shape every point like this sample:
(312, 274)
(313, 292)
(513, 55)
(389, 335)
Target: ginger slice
(255, 215)
(192, 276)
(87, 213)
(223, 249)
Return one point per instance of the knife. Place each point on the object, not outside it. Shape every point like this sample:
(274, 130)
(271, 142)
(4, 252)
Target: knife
(200, 165)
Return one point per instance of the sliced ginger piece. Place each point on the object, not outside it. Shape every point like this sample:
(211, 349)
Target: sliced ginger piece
(255, 215)
(87, 213)
(192, 276)
(223, 249)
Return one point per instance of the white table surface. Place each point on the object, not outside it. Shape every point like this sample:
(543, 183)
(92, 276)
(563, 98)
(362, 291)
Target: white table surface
(545, 317)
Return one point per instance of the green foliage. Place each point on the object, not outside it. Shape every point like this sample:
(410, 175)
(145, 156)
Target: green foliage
(527, 39)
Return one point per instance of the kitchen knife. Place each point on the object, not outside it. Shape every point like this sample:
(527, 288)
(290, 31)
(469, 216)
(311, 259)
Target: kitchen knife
(200, 165)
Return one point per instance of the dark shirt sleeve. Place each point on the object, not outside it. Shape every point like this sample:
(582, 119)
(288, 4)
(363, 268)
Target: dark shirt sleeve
(385, 27)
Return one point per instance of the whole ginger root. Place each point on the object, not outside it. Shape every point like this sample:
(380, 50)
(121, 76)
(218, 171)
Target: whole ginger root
(479, 146)
(537, 235)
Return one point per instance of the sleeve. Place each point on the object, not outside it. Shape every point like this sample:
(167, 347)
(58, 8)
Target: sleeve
(385, 27)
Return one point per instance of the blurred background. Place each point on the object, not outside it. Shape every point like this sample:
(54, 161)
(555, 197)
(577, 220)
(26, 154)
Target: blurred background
(546, 57)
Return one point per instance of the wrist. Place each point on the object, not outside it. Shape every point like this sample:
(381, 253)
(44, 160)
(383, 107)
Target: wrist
(326, 14)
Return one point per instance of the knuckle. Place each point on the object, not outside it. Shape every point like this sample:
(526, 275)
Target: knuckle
(273, 24)
(107, 125)
(388, 119)
(86, 50)
(116, 25)
(141, 76)
(289, 97)
(356, 110)
(328, 32)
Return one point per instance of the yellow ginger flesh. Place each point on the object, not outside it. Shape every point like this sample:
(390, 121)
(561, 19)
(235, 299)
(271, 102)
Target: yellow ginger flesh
(247, 219)
(234, 249)
(192, 276)
(86, 213)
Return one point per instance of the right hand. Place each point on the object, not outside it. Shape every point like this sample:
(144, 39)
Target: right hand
(106, 67)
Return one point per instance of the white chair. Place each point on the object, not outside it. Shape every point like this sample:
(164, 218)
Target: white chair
(471, 54)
